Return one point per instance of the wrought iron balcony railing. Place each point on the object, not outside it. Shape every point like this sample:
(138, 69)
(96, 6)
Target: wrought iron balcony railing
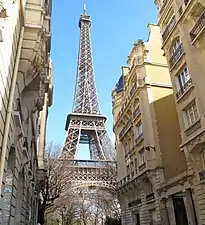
(169, 28)
(126, 102)
(184, 88)
(164, 2)
(136, 112)
(176, 55)
(125, 128)
(183, 7)
(200, 24)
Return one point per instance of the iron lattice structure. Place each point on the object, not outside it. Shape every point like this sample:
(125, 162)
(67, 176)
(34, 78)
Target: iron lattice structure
(86, 124)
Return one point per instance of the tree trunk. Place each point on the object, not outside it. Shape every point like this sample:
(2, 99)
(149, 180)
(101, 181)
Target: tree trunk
(41, 213)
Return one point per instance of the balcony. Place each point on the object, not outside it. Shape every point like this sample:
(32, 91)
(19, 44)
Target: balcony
(125, 129)
(198, 28)
(183, 7)
(184, 88)
(126, 103)
(136, 112)
(169, 28)
(176, 55)
(164, 2)
(37, 28)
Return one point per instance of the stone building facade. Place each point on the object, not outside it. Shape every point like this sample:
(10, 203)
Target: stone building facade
(152, 172)
(25, 95)
(182, 24)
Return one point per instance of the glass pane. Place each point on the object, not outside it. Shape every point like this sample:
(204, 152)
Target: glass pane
(192, 118)
(188, 120)
(196, 114)
(140, 129)
(180, 83)
(183, 78)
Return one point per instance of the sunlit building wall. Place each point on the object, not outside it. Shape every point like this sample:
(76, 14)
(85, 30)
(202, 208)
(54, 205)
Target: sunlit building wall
(147, 134)
(26, 94)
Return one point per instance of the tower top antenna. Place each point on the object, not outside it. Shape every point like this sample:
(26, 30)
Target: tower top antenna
(84, 7)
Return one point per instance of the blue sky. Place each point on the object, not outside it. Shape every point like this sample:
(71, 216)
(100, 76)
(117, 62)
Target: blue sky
(116, 24)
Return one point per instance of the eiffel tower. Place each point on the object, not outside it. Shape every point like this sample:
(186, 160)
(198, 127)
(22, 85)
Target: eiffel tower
(86, 125)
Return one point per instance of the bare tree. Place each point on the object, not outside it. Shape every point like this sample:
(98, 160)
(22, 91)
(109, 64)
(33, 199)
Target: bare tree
(65, 208)
(51, 186)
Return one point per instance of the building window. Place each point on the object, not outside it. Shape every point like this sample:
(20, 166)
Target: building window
(141, 156)
(139, 130)
(191, 114)
(176, 52)
(135, 163)
(177, 43)
(132, 166)
(128, 169)
(183, 81)
(182, 78)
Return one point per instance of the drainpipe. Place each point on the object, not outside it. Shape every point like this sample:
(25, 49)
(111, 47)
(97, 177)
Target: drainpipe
(9, 108)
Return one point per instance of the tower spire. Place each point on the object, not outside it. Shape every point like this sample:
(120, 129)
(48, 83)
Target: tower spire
(84, 7)
(86, 124)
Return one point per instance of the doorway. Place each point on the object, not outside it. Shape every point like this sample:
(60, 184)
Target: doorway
(180, 211)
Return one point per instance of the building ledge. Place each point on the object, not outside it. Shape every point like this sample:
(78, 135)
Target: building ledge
(193, 128)
(196, 142)
(179, 179)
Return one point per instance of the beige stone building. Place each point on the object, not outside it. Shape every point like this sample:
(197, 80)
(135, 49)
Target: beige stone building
(182, 24)
(152, 173)
(25, 95)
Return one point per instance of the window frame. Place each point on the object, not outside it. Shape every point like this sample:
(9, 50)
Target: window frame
(142, 157)
(191, 114)
(182, 77)
(175, 46)
(139, 129)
